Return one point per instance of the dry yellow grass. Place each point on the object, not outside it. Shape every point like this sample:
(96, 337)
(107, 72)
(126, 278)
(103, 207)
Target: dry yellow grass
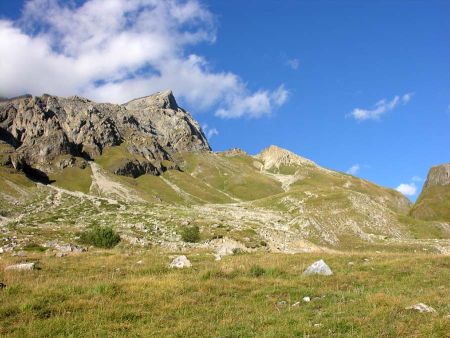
(109, 294)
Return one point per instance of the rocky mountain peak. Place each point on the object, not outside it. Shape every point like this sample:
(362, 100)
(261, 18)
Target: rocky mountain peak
(275, 157)
(438, 175)
(160, 100)
(40, 131)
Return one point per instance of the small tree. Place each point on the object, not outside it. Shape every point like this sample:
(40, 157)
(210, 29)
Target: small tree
(101, 237)
(191, 234)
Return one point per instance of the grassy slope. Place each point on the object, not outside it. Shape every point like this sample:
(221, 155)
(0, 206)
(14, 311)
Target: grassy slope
(15, 189)
(329, 181)
(108, 294)
(433, 204)
(332, 190)
(234, 175)
(114, 157)
(73, 179)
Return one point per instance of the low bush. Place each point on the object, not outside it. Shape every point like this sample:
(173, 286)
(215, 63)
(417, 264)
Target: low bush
(101, 237)
(257, 271)
(34, 247)
(191, 234)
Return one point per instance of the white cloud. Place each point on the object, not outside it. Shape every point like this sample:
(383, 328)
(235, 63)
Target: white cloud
(407, 189)
(117, 50)
(254, 105)
(293, 63)
(381, 107)
(210, 132)
(417, 179)
(354, 169)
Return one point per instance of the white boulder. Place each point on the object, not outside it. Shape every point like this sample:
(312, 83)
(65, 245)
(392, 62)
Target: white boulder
(22, 266)
(318, 268)
(180, 262)
(422, 308)
(227, 247)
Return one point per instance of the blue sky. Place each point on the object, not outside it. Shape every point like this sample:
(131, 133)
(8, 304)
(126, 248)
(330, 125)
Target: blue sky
(346, 84)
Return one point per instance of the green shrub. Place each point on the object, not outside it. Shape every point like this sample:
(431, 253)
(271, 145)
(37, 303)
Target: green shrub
(191, 234)
(257, 271)
(101, 237)
(34, 247)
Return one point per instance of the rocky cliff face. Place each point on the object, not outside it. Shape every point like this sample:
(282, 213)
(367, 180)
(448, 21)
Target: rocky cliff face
(434, 200)
(48, 131)
(438, 176)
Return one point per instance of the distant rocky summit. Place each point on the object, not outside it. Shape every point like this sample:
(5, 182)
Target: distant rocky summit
(41, 133)
(278, 159)
(434, 200)
(438, 176)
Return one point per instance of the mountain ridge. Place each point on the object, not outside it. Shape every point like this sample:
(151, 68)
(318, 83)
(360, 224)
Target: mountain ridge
(149, 171)
(38, 130)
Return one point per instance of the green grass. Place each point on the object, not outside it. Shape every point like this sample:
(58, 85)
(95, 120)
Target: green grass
(235, 175)
(115, 157)
(201, 193)
(73, 179)
(106, 293)
(433, 204)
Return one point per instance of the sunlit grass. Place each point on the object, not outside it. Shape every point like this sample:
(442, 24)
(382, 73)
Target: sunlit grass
(108, 293)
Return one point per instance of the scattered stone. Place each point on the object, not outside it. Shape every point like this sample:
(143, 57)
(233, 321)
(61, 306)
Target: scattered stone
(318, 268)
(282, 304)
(227, 247)
(19, 254)
(140, 262)
(307, 299)
(61, 254)
(351, 263)
(317, 325)
(296, 304)
(70, 248)
(1, 250)
(180, 262)
(22, 266)
(422, 308)
(2, 285)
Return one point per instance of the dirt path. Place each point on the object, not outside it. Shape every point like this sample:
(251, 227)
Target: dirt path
(104, 185)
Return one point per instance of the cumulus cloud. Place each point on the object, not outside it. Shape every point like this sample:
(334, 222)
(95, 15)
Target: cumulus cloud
(407, 189)
(209, 132)
(381, 107)
(293, 63)
(254, 105)
(117, 50)
(354, 169)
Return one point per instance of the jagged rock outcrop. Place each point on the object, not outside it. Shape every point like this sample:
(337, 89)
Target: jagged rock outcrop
(40, 132)
(234, 152)
(275, 159)
(438, 175)
(434, 200)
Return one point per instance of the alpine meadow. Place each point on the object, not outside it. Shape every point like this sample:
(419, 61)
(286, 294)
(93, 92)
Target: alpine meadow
(196, 168)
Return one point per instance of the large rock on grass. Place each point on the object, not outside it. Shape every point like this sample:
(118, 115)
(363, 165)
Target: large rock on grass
(318, 268)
